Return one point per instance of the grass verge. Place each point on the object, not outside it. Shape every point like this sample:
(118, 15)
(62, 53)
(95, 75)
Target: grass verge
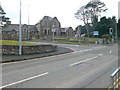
(11, 42)
(76, 43)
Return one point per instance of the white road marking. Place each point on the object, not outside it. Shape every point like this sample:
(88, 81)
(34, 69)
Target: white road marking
(100, 54)
(110, 51)
(17, 82)
(83, 61)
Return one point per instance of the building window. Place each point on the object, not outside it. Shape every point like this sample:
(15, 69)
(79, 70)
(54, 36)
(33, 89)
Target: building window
(45, 32)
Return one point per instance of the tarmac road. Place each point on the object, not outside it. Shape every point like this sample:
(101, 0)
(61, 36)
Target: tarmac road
(86, 67)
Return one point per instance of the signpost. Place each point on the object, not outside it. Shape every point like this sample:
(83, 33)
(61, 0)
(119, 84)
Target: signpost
(96, 33)
(53, 30)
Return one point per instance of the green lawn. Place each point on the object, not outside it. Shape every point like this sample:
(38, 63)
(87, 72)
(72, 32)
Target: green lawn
(76, 43)
(11, 42)
(59, 38)
(93, 39)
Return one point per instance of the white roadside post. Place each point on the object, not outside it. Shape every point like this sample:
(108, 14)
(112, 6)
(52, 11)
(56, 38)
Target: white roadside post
(20, 33)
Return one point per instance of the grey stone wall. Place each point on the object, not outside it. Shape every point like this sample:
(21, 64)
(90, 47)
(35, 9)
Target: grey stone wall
(14, 50)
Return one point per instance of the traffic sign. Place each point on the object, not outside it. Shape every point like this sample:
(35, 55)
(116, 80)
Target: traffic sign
(96, 33)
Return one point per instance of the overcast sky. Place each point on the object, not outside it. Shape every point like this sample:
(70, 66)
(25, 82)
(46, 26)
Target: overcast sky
(63, 9)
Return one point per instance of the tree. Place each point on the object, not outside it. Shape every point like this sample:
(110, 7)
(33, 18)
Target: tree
(89, 13)
(105, 24)
(95, 7)
(83, 15)
(3, 20)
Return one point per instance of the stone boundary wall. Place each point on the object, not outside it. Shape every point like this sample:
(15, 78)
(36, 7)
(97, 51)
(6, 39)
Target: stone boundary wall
(35, 49)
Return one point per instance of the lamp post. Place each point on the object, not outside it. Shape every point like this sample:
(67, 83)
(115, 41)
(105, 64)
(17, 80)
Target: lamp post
(20, 33)
(28, 25)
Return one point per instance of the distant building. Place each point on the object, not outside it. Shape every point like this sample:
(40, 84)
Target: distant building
(11, 32)
(46, 24)
(40, 30)
(67, 32)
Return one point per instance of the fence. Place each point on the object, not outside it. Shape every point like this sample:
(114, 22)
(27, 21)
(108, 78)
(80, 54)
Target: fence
(115, 79)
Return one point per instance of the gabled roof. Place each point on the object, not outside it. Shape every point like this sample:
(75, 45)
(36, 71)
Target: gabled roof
(11, 27)
(45, 17)
(65, 29)
(15, 27)
(33, 28)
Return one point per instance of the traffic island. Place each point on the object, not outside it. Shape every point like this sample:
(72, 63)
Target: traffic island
(26, 50)
(15, 58)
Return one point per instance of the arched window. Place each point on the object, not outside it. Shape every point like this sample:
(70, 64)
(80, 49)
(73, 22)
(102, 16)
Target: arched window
(45, 32)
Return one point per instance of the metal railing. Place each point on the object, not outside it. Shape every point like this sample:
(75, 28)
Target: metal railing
(115, 79)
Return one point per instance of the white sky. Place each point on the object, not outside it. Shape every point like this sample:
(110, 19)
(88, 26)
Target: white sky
(63, 9)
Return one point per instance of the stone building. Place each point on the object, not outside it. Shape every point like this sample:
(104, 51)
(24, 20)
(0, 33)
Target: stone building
(67, 32)
(46, 24)
(42, 30)
(11, 32)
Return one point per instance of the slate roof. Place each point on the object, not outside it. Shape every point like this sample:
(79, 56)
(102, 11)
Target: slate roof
(11, 27)
(45, 17)
(15, 27)
(33, 28)
(64, 29)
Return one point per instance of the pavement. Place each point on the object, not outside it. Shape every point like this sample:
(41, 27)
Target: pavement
(12, 58)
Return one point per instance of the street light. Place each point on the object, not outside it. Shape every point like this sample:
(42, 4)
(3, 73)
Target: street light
(28, 24)
(20, 33)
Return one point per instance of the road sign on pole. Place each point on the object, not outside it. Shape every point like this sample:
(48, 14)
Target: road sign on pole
(53, 30)
(96, 33)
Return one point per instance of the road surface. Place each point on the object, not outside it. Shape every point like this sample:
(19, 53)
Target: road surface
(86, 67)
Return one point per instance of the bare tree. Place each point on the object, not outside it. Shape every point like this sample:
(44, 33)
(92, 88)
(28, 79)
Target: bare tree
(83, 15)
(95, 7)
(89, 13)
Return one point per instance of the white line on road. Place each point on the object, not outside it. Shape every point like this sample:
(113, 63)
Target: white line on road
(83, 61)
(17, 82)
(110, 51)
(100, 54)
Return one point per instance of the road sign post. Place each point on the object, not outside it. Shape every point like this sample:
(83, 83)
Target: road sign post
(96, 33)
(53, 30)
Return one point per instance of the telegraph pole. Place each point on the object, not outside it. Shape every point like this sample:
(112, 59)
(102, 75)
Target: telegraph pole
(20, 33)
